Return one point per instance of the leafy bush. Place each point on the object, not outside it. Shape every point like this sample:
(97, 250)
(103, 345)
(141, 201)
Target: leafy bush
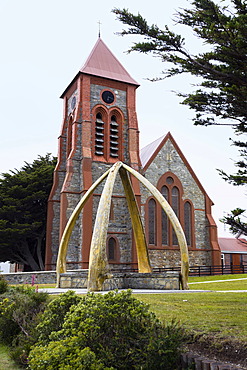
(64, 355)
(3, 285)
(53, 317)
(164, 348)
(118, 329)
(19, 310)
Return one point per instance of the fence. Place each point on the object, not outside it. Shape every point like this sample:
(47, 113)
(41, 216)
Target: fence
(194, 270)
(211, 270)
(199, 270)
(217, 270)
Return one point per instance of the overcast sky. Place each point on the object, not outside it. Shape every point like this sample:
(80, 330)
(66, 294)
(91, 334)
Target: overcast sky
(44, 44)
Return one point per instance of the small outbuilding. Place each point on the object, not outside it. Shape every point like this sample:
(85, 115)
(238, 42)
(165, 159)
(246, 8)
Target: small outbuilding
(233, 252)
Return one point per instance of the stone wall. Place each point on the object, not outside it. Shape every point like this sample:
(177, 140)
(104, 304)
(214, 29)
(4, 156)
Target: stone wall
(78, 279)
(176, 165)
(161, 258)
(36, 277)
(170, 160)
(128, 280)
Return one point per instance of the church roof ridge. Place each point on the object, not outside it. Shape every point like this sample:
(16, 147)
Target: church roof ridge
(103, 63)
(149, 152)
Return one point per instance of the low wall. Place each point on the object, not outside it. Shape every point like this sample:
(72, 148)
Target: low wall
(168, 280)
(125, 280)
(34, 277)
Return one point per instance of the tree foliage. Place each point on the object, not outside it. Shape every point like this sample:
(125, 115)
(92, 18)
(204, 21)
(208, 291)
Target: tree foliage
(19, 312)
(220, 97)
(237, 222)
(23, 207)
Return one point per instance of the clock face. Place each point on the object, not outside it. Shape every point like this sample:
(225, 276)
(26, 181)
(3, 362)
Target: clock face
(108, 97)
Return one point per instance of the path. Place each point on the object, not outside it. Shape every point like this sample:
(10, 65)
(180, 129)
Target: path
(216, 281)
(139, 291)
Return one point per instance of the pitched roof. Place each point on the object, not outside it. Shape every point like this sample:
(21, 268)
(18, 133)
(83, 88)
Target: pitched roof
(149, 152)
(101, 62)
(233, 245)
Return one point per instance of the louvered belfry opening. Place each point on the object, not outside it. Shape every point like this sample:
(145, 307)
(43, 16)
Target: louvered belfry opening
(99, 135)
(107, 135)
(114, 137)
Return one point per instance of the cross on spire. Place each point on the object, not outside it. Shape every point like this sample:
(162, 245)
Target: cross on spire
(99, 23)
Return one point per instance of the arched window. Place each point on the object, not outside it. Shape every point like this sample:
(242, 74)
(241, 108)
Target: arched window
(175, 200)
(188, 222)
(111, 216)
(114, 138)
(160, 231)
(175, 207)
(152, 221)
(112, 249)
(69, 137)
(108, 134)
(99, 135)
(164, 219)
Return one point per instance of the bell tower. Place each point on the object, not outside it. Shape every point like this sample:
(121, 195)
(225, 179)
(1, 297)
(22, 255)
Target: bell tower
(99, 128)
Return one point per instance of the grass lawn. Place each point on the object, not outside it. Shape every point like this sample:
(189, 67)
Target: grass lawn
(5, 362)
(37, 285)
(221, 314)
(216, 320)
(219, 282)
(216, 277)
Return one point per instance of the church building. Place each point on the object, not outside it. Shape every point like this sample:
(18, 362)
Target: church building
(99, 128)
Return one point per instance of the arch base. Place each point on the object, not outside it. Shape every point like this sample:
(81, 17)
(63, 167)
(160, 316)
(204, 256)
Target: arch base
(168, 280)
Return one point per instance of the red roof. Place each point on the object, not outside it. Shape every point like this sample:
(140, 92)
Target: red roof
(233, 245)
(101, 62)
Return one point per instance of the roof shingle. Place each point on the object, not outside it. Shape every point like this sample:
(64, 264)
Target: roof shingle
(101, 62)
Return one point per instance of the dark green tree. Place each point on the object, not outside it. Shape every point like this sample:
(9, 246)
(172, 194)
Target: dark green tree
(237, 222)
(220, 97)
(23, 207)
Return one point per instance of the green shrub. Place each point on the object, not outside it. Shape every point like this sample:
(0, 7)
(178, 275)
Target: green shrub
(53, 317)
(19, 310)
(64, 355)
(164, 348)
(120, 331)
(3, 285)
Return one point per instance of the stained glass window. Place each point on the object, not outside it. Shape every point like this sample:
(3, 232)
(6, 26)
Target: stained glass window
(111, 249)
(152, 221)
(175, 207)
(164, 219)
(187, 222)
